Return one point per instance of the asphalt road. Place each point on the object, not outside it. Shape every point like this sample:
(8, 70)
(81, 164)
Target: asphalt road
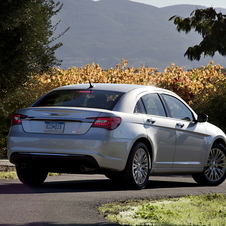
(73, 199)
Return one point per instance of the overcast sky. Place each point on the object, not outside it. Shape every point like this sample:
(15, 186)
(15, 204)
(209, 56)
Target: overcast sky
(207, 3)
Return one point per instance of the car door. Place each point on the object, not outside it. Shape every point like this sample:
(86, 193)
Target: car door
(190, 135)
(160, 130)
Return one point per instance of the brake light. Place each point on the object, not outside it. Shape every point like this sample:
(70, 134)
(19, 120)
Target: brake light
(85, 91)
(109, 123)
(17, 119)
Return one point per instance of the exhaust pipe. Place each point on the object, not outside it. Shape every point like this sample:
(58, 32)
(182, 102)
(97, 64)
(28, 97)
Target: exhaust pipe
(86, 169)
(23, 165)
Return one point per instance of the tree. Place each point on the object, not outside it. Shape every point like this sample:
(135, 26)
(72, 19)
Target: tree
(25, 40)
(211, 25)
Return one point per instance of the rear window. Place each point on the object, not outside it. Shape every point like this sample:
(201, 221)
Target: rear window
(80, 98)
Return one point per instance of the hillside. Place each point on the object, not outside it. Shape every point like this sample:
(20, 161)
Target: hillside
(106, 31)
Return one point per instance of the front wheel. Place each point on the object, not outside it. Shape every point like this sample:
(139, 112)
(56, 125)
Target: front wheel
(137, 169)
(214, 172)
(31, 176)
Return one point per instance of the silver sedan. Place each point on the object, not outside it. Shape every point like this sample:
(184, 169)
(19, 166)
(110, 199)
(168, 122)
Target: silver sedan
(126, 132)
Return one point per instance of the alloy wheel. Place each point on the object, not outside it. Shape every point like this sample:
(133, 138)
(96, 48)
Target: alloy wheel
(216, 165)
(140, 166)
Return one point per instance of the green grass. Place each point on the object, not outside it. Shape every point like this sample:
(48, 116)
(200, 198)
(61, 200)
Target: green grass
(8, 175)
(208, 210)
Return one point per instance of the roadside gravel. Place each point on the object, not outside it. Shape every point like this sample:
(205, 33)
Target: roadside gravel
(6, 166)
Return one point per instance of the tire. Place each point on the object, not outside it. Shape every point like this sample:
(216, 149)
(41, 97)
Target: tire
(214, 172)
(137, 170)
(30, 176)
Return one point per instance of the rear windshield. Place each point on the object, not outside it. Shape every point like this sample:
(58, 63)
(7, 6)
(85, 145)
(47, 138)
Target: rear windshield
(80, 98)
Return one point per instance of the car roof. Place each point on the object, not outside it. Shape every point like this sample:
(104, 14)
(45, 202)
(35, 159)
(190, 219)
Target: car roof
(112, 86)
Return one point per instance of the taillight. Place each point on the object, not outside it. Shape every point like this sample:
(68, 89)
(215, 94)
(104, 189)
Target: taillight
(17, 119)
(108, 123)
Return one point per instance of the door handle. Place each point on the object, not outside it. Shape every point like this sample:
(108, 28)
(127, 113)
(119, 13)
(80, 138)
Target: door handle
(179, 124)
(150, 120)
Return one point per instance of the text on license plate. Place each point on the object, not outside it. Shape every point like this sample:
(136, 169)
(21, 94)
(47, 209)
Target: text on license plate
(54, 127)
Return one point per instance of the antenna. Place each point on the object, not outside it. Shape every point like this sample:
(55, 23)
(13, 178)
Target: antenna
(90, 85)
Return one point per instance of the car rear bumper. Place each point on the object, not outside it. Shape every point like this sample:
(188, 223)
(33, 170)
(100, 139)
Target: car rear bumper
(107, 152)
(61, 163)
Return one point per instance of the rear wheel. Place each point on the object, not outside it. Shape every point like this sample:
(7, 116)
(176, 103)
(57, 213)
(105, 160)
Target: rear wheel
(214, 172)
(31, 176)
(137, 169)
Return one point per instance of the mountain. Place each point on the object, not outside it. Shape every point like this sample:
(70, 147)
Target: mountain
(107, 31)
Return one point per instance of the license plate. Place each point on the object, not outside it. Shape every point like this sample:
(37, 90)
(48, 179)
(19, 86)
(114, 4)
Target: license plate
(54, 127)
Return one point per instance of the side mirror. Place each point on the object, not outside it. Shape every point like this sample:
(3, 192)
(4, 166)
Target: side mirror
(202, 118)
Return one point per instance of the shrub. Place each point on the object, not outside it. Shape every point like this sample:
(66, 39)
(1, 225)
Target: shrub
(214, 106)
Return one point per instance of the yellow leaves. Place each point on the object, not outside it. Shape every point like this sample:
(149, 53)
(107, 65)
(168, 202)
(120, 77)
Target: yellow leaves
(187, 84)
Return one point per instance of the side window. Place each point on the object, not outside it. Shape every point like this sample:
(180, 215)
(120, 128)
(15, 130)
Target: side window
(139, 108)
(153, 104)
(178, 109)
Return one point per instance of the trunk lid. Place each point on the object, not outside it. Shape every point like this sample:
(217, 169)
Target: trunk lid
(49, 120)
